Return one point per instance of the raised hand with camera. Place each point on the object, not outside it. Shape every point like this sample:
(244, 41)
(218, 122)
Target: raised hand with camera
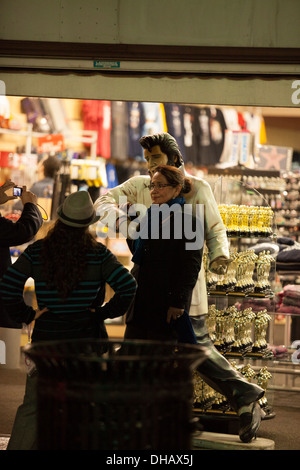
(28, 196)
(15, 233)
(16, 191)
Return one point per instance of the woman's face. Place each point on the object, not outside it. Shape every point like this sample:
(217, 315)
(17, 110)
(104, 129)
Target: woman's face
(161, 191)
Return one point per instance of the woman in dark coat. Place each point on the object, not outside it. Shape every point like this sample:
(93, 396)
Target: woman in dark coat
(168, 256)
(14, 234)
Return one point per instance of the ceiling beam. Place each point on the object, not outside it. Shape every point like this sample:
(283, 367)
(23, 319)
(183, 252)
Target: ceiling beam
(140, 52)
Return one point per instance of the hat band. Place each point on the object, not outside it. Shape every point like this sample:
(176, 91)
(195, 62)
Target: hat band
(77, 221)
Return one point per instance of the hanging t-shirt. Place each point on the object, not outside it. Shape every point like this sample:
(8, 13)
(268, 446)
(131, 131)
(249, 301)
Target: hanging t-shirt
(4, 107)
(119, 131)
(211, 135)
(190, 133)
(231, 118)
(56, 110)
(105, 129)
(97, 117)
(38, 114)
(242, 121)
(254, 124)
(233, 125)
(174, 122)
(136, 122)
(112, 178)
(263, 132)
(154, 122)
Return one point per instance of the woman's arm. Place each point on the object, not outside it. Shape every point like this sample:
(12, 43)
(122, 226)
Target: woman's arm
(22, 231)
(12, 288)
(122, 283)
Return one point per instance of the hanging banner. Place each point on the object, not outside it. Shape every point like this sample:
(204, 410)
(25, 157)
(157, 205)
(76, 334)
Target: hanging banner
(51, 143)
(9, 160)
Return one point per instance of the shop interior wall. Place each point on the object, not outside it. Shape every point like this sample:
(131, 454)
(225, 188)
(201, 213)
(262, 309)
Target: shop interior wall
(283, 131)
(282, 124)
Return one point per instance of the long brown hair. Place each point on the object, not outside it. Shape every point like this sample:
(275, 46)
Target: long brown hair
(64, 258)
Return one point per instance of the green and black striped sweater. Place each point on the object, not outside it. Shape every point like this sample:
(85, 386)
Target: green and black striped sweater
(70, 318)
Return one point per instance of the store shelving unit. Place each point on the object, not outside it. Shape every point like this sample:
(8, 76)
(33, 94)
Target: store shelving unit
(87, 137)
(260, 365)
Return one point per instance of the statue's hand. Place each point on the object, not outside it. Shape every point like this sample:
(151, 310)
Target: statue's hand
(220, 265)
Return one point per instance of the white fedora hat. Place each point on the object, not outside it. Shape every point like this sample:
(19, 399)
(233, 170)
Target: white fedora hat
(78, 210)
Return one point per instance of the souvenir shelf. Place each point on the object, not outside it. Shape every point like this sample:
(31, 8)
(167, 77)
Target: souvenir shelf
(241, 301)
(29, 134)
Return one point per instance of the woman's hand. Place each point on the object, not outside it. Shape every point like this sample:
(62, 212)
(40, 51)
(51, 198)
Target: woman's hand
(174, 313)
(39, 313)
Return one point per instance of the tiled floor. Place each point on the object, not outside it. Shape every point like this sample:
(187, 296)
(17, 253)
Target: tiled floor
(284, 429)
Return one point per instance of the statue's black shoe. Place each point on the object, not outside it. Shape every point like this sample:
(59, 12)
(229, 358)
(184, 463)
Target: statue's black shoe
(250, 422)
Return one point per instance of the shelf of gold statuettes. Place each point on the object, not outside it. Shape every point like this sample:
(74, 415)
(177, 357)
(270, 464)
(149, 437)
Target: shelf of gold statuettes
(239, 332)
(264, 295)
(247, 221)
(264, 354)
(248, 275)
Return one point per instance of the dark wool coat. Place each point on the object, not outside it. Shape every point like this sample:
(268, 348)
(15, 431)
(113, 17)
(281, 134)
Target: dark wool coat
(14, 234)
(166, 277)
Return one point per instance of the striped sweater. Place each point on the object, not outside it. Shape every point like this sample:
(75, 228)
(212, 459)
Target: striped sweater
(70, 318)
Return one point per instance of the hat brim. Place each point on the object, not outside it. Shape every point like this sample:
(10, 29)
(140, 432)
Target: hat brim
(72, 223)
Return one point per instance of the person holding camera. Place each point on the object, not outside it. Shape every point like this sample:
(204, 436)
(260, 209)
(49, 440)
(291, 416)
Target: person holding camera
(16, 233)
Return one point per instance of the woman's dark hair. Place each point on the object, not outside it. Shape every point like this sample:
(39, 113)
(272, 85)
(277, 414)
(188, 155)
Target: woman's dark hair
(175, 177)
(167, 144)
(64, 258)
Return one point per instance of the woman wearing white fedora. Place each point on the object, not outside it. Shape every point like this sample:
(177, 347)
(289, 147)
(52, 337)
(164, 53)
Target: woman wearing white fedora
(70, 269)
